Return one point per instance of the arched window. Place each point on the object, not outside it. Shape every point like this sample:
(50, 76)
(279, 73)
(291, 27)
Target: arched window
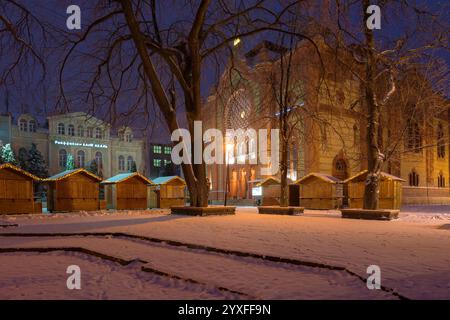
(441, 180)
(340, 168)
(71, 130)
(129, 163)
(413, 178)
(61, 128)
(121, 163)
(80, 158)
(99, 159)
(62, 158)
(98, 133)
(440, 142)
(80, 131)
(414, 142)
(128, 137)
(252, 148)
(90, 132)
(23, 125)
(32, 126)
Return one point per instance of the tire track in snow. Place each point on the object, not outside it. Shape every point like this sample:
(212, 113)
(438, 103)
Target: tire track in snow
(120, 261)
(197, 247)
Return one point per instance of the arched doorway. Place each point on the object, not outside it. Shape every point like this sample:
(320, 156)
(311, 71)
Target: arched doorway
(340, 168)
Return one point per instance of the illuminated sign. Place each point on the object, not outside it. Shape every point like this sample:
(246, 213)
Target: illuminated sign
(81, 144)
(257, 191)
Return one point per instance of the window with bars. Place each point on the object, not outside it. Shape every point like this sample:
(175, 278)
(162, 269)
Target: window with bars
(157, 149)
(157, 162)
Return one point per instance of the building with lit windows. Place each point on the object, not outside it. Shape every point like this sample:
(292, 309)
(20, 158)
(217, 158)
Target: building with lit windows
(161, 162)
(83, 136)
(331, 117)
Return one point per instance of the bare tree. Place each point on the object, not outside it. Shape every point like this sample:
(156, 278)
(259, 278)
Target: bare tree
(382, 59)
(22, 38)
(168, 54)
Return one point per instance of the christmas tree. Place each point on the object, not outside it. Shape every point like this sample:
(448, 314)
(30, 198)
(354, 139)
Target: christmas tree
(70, 165)
(36, 163)
(93, 167)
(133, 167)
(7, 155)
(23, 158)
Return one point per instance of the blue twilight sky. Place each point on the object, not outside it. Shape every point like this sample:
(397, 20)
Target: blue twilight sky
(29, 91)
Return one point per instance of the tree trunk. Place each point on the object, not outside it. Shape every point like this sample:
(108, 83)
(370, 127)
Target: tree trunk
(374, 157)
(283, 172)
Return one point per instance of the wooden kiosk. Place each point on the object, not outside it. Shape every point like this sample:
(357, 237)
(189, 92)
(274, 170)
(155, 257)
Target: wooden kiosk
(17, 191)
(270, 190)
(320, 191)
(126, 191)
(390, 190)
(166, 192)
(73, 190)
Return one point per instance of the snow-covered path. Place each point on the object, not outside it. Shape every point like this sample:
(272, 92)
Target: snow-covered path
(254, 278)
(414, 256)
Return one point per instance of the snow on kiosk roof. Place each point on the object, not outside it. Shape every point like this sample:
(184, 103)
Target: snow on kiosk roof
(362, 176)
(18, 170)
(322, 176)
(268, 181)
(125, 176)
(167, 179)
(68, 173)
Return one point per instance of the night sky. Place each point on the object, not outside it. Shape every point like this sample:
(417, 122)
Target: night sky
(37, 93)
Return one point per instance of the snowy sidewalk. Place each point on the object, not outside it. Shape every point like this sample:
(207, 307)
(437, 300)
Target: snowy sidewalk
(413, 254)
(254, 278)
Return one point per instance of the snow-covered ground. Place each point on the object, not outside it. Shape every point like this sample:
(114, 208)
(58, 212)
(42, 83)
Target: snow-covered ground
(413, 253)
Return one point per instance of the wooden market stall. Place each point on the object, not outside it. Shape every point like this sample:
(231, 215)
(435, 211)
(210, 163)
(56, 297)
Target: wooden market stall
(270, 189)
(73, 190)
(126, 191)
(390, 190)
(17, 191)
(320, 191)
(166, 192)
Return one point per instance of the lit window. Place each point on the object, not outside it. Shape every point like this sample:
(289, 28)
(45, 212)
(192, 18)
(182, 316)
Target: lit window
(129, 163)
(157, 162)
(98, 133)
(167, 150)
(71, 130)
(90, 132)
(32, 126)
(23, 125)
(62, 158)
(80, 159)
(99, 159)
(80, 131)
(252, 148)
(61, 128)
(167, 162)
(157, 149)
(121, 163)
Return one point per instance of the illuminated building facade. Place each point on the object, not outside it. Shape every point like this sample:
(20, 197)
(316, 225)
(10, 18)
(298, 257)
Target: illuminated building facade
(83, 136)
(330, 135)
